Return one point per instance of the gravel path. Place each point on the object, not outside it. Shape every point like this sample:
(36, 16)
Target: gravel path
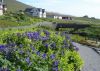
(90, 57)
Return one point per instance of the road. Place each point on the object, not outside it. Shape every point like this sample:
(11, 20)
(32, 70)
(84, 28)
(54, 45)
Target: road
(90, 57)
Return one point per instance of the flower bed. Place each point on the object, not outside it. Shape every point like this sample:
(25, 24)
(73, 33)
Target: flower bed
(40, 50)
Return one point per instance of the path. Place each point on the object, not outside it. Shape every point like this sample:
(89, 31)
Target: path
(90, 57)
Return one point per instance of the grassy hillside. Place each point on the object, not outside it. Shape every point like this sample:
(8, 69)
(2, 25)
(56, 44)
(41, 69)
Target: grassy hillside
(14, 5)
(87, 20)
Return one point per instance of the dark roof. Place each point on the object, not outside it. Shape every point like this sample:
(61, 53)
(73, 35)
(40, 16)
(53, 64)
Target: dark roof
(29, 9)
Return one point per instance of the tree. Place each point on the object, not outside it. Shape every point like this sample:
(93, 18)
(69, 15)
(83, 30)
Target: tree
(86, 16)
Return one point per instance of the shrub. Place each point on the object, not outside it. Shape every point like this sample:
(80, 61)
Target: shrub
(39, 51)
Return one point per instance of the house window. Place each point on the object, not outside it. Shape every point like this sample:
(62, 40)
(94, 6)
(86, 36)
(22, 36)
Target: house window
(39, 10)
(43, 10)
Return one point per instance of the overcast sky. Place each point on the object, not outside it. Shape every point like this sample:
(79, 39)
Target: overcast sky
(69, 7)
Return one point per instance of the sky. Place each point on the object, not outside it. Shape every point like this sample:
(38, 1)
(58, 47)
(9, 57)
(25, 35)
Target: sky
(69, 7)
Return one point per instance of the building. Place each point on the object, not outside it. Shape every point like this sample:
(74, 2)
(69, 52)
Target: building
(36, 12)
(66, 18)
(58, 16)
(54, 16)
(3, 7)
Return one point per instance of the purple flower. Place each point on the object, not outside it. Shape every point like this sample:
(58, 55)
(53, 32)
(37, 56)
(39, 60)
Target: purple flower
(65, 42)
(52, 56)
(44, 38)
(21, 45)
(4, 69)
(12, 44)
(55, 69)
(18, 70)
(27, 60)
(76, 48)
(73, 43)
(67, 37)
(21, 51)
(33, 35)
(46, 32)
(46, 45)
(33, 48)
(2, 48)
(56, 63)
(38, 53)
(44, 55)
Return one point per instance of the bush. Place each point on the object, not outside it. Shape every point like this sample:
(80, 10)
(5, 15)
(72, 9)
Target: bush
(39, 51)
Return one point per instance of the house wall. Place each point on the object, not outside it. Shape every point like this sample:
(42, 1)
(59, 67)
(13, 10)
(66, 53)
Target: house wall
(56, 17)
(60, 17)
(40, 14)
(1, 9)
(44, 15)
(36, 12)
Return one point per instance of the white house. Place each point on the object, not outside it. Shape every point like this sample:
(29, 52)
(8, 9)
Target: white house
(58, 16)
(2, 7)
(36, 12)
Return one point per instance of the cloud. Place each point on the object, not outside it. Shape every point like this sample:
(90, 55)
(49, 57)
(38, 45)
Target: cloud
(52, 1)
(92, 1)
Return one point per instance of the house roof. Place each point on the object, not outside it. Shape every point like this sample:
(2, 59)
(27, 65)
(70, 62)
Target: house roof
(39, 9)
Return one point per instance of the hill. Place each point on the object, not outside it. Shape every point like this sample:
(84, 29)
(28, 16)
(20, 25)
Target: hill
(14, 5)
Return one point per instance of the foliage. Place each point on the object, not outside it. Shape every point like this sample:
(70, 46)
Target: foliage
(40, 50)
(78, 38)
(17, 19)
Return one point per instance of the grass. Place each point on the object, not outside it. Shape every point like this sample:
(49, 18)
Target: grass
(87, 20)
(13, 5)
